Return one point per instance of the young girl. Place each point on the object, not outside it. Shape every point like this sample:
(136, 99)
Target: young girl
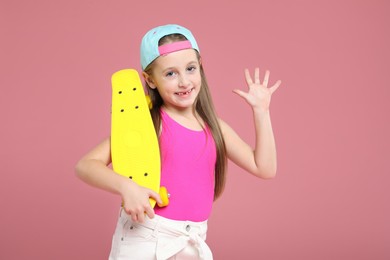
(194, 146)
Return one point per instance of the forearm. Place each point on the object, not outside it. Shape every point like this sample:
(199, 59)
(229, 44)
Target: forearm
(97, 174)
(265, 148)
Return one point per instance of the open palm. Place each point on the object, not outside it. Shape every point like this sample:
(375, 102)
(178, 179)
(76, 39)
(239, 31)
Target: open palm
(259, 94)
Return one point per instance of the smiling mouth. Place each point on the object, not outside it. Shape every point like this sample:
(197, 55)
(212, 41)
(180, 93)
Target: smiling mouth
(184, 93)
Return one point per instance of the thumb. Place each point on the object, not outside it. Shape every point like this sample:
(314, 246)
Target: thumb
(240, 93)
(276, 86)
(154, 195)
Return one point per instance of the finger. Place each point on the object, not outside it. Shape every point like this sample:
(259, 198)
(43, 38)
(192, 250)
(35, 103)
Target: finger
(266, 77)
(141, 217)
(275, 86)
(154, 195)
(240, 93)
(257, 76)
(128, 211)
(134, 217)
(149, 212)
(248, 77)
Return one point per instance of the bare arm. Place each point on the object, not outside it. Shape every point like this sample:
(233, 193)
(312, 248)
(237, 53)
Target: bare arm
(260, 161)
(93, 169)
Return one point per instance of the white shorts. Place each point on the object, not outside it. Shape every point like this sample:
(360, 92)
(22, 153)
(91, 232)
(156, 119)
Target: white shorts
(159, 239)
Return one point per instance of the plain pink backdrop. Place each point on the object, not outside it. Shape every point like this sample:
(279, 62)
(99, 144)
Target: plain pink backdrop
(330, 199)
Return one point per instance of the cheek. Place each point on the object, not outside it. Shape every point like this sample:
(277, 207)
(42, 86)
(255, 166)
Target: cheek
(166, 88)
(197, 81)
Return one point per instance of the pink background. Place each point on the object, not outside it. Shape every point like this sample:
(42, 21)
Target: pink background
(330, 199)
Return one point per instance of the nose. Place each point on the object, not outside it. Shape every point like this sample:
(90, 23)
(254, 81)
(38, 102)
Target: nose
(184, 81)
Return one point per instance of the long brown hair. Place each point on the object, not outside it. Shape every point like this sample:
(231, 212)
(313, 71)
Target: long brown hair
(205, 109)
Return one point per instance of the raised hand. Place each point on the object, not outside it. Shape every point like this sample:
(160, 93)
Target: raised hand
(259, 94)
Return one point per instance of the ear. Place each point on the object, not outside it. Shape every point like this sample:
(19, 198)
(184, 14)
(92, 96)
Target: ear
(149, 80)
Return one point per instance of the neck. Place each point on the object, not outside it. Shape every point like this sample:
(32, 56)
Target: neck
(188, 112)
(187, 117)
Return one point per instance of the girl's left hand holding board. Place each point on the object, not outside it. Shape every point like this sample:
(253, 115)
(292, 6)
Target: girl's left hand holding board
(93, 169)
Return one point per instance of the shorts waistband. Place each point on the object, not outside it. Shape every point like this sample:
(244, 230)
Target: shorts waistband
(180, 233)
(169, 225)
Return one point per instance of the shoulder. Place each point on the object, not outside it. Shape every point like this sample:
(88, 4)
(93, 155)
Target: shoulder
(223, 124)
(232, 139)
(225, 128)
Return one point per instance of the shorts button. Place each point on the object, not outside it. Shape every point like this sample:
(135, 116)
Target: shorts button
(188, 228)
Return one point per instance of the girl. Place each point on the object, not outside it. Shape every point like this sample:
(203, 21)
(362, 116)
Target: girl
(194, 146)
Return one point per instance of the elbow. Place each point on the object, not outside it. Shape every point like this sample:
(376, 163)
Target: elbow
(266, 174)
(78, 169)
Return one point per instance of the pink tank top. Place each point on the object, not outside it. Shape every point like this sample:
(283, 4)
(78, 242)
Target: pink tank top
(188, 160)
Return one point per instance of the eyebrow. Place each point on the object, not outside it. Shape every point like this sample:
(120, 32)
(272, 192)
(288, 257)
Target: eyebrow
(193, 62)
(189, 63)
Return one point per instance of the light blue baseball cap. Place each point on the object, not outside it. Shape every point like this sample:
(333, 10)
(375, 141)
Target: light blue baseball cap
(149, 45)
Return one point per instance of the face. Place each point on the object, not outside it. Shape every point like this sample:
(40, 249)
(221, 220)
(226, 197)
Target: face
(177, 79)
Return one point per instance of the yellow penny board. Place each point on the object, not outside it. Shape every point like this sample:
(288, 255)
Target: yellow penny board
(134, 144)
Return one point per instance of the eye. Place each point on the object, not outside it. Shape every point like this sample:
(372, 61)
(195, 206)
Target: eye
(169, 74)
(191, 68)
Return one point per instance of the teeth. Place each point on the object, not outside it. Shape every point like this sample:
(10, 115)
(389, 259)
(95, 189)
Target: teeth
(184, 93)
